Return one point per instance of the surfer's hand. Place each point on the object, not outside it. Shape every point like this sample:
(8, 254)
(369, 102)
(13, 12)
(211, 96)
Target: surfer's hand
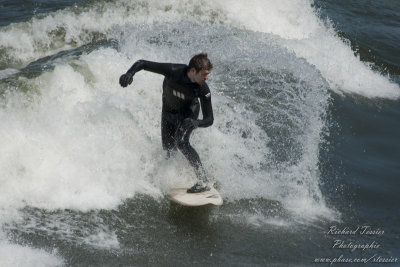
(190, 124)
(126, 79)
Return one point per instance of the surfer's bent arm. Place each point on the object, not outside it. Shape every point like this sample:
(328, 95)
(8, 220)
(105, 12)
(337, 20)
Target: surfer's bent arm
(159, 68)
(206, 107)
(165, 69)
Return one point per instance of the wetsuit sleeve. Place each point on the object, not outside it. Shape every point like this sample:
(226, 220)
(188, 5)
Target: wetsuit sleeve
(165, 69)
(206, 107)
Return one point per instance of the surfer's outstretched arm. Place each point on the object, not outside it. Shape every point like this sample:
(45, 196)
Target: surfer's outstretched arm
(165, 69)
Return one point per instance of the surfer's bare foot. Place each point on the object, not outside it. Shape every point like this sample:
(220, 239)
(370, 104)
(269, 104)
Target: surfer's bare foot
(198, 188)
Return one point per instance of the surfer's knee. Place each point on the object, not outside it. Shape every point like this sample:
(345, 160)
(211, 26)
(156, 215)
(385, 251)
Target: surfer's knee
(183, 145)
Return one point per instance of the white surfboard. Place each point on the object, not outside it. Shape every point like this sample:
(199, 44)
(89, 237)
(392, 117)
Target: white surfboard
(180, 196)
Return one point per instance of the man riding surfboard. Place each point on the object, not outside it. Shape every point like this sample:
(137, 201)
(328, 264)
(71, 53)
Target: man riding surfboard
(183, 87)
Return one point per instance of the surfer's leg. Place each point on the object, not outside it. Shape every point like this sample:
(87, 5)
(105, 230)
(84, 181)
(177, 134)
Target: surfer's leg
(168, 131)
(190, 153)
(194, 160)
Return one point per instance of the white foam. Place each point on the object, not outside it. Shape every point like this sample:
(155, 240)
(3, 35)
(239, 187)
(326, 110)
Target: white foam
(85, 143)
(73, 146)
(7, 72)
(295, 22)
(22, 256)
(289, 19)
(77, 140)
(260, 221)
(85, 137)
(75, 26)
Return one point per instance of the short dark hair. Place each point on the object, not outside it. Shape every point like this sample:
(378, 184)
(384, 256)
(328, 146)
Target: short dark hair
(200, 62)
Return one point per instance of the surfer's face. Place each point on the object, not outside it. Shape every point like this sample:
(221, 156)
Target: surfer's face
(199, 77)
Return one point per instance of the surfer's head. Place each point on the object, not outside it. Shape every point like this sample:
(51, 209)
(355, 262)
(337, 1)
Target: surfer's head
(199, 68)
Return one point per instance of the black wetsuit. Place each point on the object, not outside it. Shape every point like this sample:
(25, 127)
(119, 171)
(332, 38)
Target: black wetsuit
(180, 100)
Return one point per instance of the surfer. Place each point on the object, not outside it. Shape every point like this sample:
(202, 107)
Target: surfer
(183, 86)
